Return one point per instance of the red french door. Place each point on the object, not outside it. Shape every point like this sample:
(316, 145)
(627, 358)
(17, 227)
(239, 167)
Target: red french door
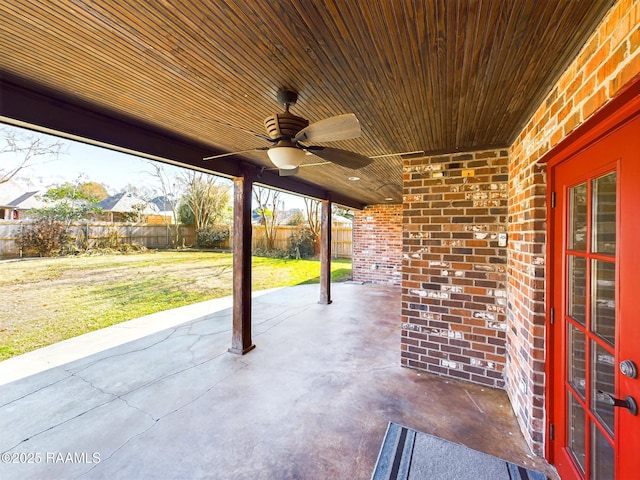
(595, 335)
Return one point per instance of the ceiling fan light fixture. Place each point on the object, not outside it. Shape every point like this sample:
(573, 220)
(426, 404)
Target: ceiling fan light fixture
(286, 157)
(290, 135)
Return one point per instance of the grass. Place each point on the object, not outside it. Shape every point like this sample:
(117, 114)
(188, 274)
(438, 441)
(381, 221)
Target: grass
(48, 300)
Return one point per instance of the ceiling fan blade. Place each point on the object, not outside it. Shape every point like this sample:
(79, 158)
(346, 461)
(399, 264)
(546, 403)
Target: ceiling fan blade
(222, 155)
(340, 127)
(344, 158)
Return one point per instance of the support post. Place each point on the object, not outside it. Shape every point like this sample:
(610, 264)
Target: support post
(241, 335)
(325, 252)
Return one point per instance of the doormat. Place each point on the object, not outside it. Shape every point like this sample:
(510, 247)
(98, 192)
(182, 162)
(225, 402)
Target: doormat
(410, 455)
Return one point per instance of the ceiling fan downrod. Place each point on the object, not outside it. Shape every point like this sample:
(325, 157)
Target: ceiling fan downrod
(288, 98)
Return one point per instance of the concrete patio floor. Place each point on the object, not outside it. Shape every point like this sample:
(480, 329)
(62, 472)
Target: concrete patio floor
(160, 397)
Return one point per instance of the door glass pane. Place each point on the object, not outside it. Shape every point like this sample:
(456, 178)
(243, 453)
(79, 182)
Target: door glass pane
(603, 379)
(577, 288)
(576, 360)
(578, 220)
(576, 431)
(590, 293)
(602, 457)
(604, 214)
(604, 300)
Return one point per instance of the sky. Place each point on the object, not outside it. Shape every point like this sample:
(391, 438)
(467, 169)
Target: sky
(114, 170)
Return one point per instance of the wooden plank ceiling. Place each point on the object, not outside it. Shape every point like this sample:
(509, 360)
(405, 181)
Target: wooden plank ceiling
(429, 76)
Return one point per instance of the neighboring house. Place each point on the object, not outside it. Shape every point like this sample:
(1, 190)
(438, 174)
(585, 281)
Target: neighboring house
(341, 221)
(163, 204)
(10, 190)
(126, 207)
(15, 201)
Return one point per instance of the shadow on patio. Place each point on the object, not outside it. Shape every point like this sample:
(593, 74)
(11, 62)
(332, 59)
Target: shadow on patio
(311, 401)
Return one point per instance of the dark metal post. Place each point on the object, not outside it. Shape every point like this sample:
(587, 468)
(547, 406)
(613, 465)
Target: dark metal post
(241, 336)
(325, 253)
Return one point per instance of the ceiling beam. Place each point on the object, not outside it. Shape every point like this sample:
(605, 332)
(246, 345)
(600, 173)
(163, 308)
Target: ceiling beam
(24, 103)
(271, 178)
(27, 104)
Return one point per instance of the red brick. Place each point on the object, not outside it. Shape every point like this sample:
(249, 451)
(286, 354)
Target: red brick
(377, 236)
(453, 255)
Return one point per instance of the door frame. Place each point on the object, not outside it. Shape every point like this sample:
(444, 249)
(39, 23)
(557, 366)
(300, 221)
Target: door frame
(611, 116)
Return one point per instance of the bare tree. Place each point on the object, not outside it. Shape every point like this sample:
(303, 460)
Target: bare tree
(23, 151)
(145, 192)
(312, 210)
(206, 198)
(170, 186)
(267, 201)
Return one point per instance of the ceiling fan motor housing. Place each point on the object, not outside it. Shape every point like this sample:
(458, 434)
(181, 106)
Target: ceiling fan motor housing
(284, 125)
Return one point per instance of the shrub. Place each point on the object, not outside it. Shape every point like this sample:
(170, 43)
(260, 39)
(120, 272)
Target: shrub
(45, 238)
(261, 251)
(111, 240)
(120, 249)
(301, 244)
(212, 237)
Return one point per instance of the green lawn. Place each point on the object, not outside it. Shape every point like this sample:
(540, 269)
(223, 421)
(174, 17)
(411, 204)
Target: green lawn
(48, 300)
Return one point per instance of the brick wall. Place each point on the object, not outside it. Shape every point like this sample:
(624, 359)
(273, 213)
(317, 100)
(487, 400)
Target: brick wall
(377, 244)
(608, 62)
(471, 309)
(453, 272)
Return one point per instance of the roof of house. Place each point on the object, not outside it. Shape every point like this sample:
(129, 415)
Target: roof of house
(9, 192)
(162, 203)
(126, 202)
(25, 201)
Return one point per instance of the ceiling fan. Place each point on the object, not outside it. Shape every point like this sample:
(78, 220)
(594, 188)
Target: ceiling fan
(290, 136)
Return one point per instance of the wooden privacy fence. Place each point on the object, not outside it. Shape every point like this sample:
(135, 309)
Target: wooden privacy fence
(105, 234)
(95, 234)
(340, 239)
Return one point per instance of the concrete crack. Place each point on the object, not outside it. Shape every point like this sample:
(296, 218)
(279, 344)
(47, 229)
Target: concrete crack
(119, 448)
(57, 425)
(116, 355)
(197, 397)
(286, 315)
(157, 420)
(35, 391)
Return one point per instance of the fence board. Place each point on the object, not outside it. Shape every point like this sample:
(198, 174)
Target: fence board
(159, 236)
(341, 239)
